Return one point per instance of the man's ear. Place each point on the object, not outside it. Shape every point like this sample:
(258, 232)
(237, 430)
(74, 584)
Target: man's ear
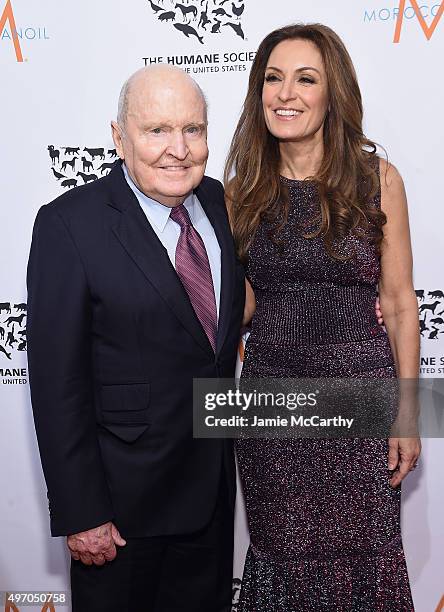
(117, 138)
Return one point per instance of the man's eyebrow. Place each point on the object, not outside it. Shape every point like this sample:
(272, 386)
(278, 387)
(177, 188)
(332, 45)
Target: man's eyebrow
(301, 69)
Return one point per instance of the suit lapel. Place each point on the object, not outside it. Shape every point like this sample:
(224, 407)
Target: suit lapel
(221, 228)
(140, 241)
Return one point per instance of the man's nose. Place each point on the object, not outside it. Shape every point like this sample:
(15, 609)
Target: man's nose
(177, 145)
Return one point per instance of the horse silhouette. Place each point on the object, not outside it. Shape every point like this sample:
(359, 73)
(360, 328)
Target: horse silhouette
(186, 10)
(431, 307)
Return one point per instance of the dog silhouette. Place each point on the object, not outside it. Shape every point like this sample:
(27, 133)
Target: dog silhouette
(87, 165)
(72, 182)
(22, 345)
(2, 333)
(21, 307)
(104, 167)
(87, 178)
(430, 307)
(96, 152)
(54, 154)
(112, 152)
(71, 163)
(71, 150)
(436, 294)
(5, 306)
(11, 320)
(420, 294)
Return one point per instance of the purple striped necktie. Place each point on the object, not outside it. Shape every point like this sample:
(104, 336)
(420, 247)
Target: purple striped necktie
(194, 271)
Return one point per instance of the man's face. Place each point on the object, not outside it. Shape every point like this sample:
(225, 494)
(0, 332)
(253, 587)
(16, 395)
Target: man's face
(164, 140)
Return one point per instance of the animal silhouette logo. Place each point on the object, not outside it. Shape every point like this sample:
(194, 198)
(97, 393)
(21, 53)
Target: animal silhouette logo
(431, 313)
(74, 166)
(12, 328)
(196, 19)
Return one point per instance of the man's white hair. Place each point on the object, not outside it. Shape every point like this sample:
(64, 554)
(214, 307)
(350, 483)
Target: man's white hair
(123, 104)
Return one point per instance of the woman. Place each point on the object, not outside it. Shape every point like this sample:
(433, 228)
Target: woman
(322, 223)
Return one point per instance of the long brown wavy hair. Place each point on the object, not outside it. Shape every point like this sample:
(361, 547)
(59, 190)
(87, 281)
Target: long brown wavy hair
(347, 179)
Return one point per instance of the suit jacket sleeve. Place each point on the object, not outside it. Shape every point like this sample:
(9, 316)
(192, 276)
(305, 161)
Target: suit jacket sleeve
(60, 372)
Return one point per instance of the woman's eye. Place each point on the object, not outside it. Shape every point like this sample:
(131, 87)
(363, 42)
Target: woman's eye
(156, 131)
(271, 77)
(193, 129)
(306, 80)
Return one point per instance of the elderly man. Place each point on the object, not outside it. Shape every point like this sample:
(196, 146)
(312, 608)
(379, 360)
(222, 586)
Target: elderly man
(134, 289)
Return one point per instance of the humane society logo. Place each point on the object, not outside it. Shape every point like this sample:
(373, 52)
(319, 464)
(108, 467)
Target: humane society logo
(431, 313)
(427, 14)
(13, 34)
(12, 341)
(197, 19)
(73, 166)
(431, 326)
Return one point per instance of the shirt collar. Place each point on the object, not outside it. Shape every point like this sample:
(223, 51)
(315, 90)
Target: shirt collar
(158, 214)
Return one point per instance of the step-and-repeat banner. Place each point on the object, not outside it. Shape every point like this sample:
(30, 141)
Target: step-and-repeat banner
(62, 66)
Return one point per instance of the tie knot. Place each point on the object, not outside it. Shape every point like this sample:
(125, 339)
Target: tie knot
(180, 215)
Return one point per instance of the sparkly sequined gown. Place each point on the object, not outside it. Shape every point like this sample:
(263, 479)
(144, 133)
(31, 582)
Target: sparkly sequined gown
(324, 522)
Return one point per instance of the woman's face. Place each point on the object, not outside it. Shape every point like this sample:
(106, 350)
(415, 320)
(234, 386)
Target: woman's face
(295, 91)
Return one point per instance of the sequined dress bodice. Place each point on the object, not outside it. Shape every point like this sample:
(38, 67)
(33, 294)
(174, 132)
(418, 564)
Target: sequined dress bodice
(306, 298)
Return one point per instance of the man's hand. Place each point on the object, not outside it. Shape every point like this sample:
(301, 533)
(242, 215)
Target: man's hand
(402, 457)
(96, 545)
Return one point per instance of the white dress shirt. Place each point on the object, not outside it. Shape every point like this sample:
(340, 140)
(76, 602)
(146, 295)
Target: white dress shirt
(168, 231)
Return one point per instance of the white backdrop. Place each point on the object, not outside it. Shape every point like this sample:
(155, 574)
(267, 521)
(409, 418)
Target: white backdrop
(60, 85)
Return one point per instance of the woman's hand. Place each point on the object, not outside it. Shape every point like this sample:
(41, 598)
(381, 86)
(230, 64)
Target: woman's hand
(250, 304)
(402, 457)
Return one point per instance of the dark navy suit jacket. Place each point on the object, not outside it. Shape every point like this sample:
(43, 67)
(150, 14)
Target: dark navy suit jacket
(113, 347)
